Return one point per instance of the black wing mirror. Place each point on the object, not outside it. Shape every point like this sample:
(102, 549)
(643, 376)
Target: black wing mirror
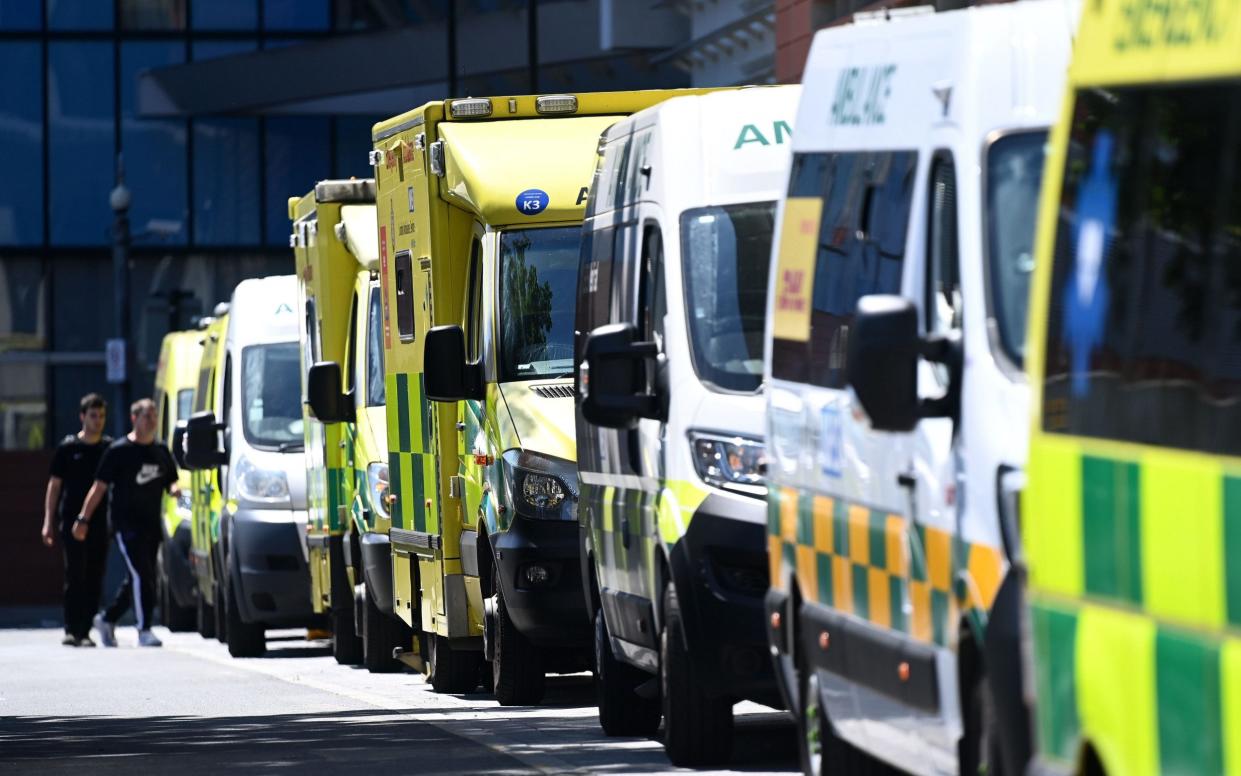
(612, 378)
(325, 394)
(446, 373)
(202, 442)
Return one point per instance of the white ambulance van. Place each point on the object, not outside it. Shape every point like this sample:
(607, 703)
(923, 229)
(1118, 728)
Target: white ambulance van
(897, 405)
(671, 306)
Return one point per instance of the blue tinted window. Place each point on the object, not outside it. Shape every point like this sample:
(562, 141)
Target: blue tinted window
(214, 49)
(296, 15)
(225, 15)
(20, 15)
(353, 143)
(298, 154)
(226, 181)
(79, 14)
(21, 137)
(82, 310)
(81, 141)
(154, 149)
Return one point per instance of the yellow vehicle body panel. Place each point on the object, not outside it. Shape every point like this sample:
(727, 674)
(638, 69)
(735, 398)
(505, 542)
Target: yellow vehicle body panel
(206, 498)
(442, 181)
(175, 378)
(1133, 547)
(333, 240)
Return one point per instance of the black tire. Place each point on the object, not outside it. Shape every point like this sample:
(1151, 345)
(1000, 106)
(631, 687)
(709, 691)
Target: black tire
(517, 669)
(178, 619)
(381, 634)
(206, 616)
(821, 751)
(697, 727)
(219, 610)
(622, 712)
(979, 750)
(346, 643)
(452, 671)
(244, 639)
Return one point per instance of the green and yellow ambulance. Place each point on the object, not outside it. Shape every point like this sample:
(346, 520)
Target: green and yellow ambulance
(337, 258)
(1131, 516)
(205, 486)
(175, 377)
(480, 203)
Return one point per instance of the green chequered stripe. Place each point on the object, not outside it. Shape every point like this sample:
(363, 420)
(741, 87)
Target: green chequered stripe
(1111, 499)
(1232, 547)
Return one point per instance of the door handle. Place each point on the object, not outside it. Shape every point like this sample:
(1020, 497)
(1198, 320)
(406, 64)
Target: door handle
(461, 425)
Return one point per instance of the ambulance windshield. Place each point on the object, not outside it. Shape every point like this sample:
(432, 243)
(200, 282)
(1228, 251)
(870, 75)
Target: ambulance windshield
(726, 251)
(538, 289)
(1014, 170)
(271, 396)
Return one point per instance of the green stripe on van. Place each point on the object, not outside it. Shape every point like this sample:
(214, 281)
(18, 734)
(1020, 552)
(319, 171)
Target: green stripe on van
(1110, 528)
(1232, 547)
(1187, 686)
(1055, 644)
(398, 490)
(402, 410)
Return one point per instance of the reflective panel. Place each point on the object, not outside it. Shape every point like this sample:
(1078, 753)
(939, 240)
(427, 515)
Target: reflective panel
(155, 166)
(79, 14)
(21, 137)
(82, 151)
(225, 15)
(298, 154)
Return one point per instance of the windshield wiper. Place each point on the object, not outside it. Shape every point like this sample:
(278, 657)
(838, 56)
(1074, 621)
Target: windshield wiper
(291, 447)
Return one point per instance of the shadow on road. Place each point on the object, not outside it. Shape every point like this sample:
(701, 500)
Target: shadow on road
(349, 742)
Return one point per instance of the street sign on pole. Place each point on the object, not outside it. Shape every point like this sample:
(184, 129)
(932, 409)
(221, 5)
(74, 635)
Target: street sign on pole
(115, 358)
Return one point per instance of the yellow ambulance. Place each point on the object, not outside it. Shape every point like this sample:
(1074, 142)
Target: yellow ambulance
(1131, 516)
(480, 203)
(337, 256)
(205, 488)
(175, 377)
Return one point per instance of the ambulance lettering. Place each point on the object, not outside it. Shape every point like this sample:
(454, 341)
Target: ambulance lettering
(750, 133)
(1152, 24)
(862, 95)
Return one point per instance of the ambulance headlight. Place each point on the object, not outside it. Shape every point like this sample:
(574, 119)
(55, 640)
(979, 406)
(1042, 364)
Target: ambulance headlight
(185, 504)
(379, 489)
(539, 486)
(730, 463)
(550, 104)
(261, 486)
(469, 108)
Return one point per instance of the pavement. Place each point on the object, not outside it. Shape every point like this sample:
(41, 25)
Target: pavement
(190, 708)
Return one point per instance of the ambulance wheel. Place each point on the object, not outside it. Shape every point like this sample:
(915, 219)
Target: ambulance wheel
(453, 671)
(821, 751)
(517, 667)
(346, 643)
(177, 619)
(206, 616)
(979, 747)
(622, 712)
(221, 617)
(381, 634)
(697, 727)
(244, 639)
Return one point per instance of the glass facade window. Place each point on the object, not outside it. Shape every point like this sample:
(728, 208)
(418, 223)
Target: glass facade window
(22, 301)
(153, 14)
(353, 143)
(82, 314)
(20, 15)
(225, 15)
(296, 15)
(298, 154)
(226, 168)
(21, 137)
(81, 141)
(155, 163)
(23, 406)
(79, 14)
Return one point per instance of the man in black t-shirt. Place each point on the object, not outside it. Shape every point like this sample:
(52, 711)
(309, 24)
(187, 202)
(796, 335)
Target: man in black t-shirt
(134, 472)
(73, 470)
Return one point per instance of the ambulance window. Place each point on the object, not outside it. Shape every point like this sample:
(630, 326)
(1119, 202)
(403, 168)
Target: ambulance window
(162, 401)
(652, 301)
(474, 303)
(351, 356)
(312, 352)
(943, 280)
(621, 175)
(404, 296)
(375, 352)
(594, 284)
(185, 401)
(860, 249)
(1144, 315)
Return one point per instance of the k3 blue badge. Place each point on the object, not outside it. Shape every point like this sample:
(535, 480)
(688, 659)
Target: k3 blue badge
(531, 202)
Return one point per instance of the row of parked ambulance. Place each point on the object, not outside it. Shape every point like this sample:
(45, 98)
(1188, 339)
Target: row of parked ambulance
(906, 400)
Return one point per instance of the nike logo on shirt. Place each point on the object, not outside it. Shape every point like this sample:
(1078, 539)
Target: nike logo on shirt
(148, 473)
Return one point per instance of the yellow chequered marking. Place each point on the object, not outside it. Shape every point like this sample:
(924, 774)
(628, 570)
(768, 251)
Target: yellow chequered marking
(939, 558)
(985, 565)
(788, 515)
(608, 493)
(879, 599)
(859, 535)
(1117, 706)
(920, 623)
(775, 561)
(897, 548)
(824, 526)
(842, 584)
(807, 572)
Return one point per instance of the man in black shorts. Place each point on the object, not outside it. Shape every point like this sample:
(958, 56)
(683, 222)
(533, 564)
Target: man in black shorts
(73, 470)
(134, 472)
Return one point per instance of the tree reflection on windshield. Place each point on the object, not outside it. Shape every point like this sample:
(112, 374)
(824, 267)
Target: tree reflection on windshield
(538, 279)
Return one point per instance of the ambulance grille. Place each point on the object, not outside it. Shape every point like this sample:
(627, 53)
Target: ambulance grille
(553, 391)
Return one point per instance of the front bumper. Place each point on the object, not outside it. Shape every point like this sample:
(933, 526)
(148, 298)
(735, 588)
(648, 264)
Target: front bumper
(267, 565)
(552, 613)
(720, 570)
(182, 583)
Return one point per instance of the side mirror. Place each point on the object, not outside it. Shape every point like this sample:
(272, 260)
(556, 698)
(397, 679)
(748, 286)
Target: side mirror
(612, 378)
(202, 442)
(324, 393)
(447, 375)
(178, 443)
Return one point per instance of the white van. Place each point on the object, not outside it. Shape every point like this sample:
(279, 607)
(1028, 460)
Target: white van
(250, 517)
(670, 312)
(897, 405)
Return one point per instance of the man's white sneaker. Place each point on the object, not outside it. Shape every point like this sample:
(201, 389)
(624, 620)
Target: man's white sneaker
(107, 631)
(148, 639)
